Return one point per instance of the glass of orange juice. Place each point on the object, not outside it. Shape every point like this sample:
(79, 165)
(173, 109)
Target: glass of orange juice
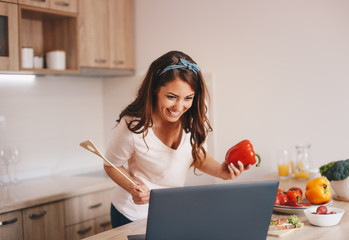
(283, 162)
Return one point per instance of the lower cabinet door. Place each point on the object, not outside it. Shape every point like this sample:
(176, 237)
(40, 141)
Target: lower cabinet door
(44, 222)
(103, 224)
(81, 230)
(11, 226)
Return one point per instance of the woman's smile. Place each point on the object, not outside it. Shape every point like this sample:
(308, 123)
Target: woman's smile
(174, 99)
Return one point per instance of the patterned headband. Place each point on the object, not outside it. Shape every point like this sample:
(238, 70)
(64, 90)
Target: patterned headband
(184, 64)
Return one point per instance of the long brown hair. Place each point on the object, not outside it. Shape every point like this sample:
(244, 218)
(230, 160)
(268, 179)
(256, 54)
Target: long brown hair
(194, 120)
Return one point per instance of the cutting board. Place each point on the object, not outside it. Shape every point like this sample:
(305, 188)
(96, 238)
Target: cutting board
(281, 233)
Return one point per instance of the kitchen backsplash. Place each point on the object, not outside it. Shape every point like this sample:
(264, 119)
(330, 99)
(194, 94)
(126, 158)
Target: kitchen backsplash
(48, 118)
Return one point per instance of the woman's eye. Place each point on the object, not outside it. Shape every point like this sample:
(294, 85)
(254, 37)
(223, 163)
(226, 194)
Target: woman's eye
(171, 97)
(188, 98)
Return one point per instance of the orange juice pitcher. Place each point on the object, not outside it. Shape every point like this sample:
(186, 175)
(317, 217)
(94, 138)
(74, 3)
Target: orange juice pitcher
(302, 161)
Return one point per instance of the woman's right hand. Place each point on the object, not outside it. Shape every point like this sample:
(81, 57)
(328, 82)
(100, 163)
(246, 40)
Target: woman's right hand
(138, 196)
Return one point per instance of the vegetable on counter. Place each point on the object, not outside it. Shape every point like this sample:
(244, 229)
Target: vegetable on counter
(243, 152)
(335, 171)
(318, 191)
(293, 219)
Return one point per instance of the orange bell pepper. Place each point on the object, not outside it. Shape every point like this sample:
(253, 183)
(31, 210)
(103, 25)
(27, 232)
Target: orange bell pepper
(318, 191)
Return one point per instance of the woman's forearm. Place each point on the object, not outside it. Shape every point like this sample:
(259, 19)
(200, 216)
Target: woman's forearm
(119, 178)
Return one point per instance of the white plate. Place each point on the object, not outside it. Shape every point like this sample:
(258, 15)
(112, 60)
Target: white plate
(295, 210)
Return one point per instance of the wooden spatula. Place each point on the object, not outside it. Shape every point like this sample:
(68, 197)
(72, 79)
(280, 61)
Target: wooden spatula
(92, 148)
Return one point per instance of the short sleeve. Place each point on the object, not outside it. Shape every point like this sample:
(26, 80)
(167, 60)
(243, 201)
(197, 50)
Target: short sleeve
(121, 145)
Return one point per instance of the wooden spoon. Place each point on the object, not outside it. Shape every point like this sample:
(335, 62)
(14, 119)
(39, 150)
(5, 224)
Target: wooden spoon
(92, 148)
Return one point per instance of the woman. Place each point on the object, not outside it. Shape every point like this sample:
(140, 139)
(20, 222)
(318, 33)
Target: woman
(161, 134)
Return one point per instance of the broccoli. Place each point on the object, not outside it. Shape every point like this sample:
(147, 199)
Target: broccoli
(335, 171)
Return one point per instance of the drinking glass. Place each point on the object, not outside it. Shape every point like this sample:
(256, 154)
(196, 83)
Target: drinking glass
(283, 162)
(15, 157)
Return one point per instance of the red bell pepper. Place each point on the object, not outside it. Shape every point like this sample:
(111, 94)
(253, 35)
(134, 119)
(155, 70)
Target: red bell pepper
(243, 152)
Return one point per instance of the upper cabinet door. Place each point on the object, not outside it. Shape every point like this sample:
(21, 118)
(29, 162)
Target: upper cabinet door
(9, 36)
(121, 19)
(36, 3)
(94, 33)
(65, 5)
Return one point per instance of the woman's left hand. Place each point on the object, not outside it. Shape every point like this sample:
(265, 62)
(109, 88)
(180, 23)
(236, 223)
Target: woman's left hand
(229, 171)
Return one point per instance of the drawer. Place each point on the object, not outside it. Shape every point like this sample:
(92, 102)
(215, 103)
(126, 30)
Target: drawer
(81, 230)
(103, 224)
(11, 225)
(87, 207)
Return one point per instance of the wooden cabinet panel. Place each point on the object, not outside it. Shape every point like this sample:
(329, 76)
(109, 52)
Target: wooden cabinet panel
(61, 5)
(121, 20)
(11, 226)
(106, 33)
(44, 222)
(36, 3)
(86, 207)
(94, 33)
(81, 230)
(9, 36)
(65, 5)
(11, 1)
(103, 223)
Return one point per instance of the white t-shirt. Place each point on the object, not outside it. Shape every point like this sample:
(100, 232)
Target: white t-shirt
(151, 161)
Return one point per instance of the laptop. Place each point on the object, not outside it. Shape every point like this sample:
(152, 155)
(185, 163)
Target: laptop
(225, 211)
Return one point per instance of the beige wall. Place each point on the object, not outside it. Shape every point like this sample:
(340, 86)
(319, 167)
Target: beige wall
(280, 67)
(280, 71)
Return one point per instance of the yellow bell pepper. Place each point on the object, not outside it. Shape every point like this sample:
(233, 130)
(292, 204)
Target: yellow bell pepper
(318, 191)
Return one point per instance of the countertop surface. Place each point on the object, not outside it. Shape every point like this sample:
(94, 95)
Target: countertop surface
(43, 190)
(308, 231)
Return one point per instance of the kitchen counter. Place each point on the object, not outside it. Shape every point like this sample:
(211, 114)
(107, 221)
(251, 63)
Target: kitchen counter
(43, 190)
(308, 231)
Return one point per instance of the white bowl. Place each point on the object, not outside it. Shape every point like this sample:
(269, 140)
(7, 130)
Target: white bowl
(324, 220)
(341, 188)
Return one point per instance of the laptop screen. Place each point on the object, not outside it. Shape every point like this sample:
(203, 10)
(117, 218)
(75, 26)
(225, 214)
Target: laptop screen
(225, 211)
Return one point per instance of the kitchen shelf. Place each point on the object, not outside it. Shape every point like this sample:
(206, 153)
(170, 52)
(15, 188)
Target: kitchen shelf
(45, 30)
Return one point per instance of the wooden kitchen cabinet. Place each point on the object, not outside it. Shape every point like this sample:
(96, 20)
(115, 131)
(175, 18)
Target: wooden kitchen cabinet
(87, 215)
(106, 34)
(11, 226)
(61, 5)
(46, 30)
(44, 222)
(11, 1)
(9, 37)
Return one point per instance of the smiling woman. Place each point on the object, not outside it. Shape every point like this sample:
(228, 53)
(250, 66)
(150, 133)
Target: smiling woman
(160, 135)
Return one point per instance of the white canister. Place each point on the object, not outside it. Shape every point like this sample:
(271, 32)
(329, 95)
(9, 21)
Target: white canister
(38, 62)
(56, 60)
(27, 57)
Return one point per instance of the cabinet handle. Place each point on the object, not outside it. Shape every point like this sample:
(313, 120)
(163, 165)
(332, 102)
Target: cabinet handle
(83, 231)
(62, 3)
(105, 224)
(118, 62)
(35, 216)
(95, 206)
(100, 61)
(8, 222)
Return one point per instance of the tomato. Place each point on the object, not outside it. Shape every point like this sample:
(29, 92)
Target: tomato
(277, 201)
(321, 210)
(296, 189)
(282, 197)
(280, 190)
(294, 195)
(294, 203)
